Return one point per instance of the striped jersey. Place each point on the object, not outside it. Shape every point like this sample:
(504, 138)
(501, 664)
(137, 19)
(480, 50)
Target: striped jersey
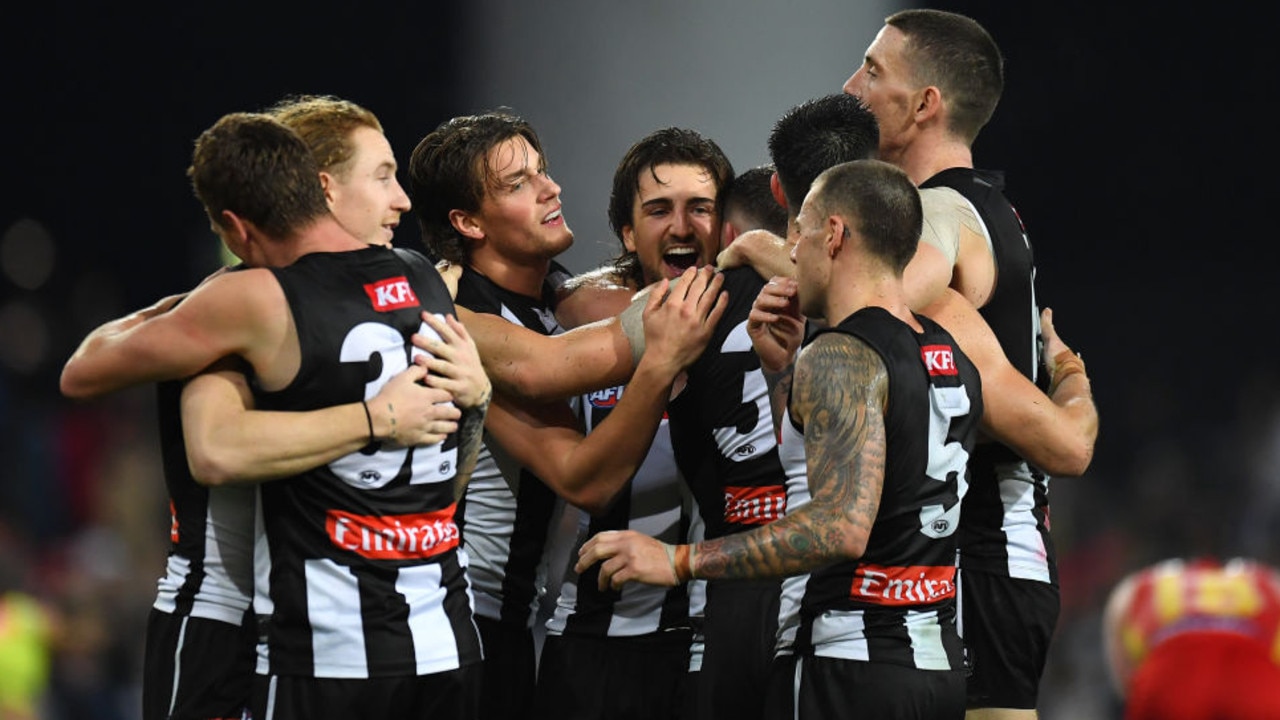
(655, 502)
(359, 573)
(1005, 523)
(897, 603)
(209, 571)
(507, 511)
(722, 423)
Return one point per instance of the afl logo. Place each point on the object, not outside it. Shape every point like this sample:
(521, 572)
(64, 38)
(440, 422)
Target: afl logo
(744, 450)
(940, 526)
(606, 398)
(370, 477)
(445, 467)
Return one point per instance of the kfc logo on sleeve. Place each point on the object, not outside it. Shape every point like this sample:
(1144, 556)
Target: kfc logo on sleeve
(391, 294)
(939, 360)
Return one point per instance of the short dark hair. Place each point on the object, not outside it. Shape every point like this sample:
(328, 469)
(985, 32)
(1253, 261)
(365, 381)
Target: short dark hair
(816, 135)
(449, 171)
(259, 169)
(750, 193)
(956, 54)
(879, 201)
(668, 146)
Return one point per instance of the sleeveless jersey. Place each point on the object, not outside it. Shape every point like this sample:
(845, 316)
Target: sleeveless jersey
(209, 571)
(358, 569)
(507, 511)
(1175, 597)
(1005, 523)
(722, 424)
(897, 603)
(655, 502)
(791, 451)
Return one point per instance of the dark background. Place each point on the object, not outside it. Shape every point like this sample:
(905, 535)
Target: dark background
(1136, 140)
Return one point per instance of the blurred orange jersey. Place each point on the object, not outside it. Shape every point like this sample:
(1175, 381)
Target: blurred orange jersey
(1187, 636)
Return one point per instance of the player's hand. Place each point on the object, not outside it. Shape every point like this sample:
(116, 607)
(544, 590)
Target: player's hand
(775, 325)
(680, 316)
(450, 272)
(406, 412)
(1053, 345)
(453, 361)
(627, 555)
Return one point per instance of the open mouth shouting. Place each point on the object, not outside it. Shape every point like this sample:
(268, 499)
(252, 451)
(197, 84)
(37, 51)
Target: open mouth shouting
(679, 258)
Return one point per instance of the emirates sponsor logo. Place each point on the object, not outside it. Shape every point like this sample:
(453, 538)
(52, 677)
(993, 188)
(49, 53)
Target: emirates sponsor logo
(909, 585)
(939, 360)
(391, 294)
(754, 505)
(394, 537)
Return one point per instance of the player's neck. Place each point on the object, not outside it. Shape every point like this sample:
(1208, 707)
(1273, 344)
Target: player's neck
(325, 235)
(517, 275)
(929, 156)
(882, 290)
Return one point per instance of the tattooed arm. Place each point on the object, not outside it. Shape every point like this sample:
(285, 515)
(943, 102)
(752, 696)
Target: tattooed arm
(845, 447)
(454, 365)
(470, 436)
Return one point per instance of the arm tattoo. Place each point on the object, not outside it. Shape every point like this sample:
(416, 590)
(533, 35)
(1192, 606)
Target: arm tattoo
(841, 387)
(470, 437)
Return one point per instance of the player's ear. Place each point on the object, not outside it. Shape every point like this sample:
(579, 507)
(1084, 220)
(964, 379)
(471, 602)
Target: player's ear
(328, 183)
(466, 224)
(628, 238)
(929, 104)
(727, 233)
(775, 187)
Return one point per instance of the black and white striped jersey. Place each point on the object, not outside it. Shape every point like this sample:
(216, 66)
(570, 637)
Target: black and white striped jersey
(655, 502)
(897, 603)
(722, 423)
(507, 511)
(791, 451)
(359, 573)
(209, 571)
(1005, 524)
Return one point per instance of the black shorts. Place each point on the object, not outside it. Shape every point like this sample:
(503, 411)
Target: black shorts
(1006, 625)
(830, 688)
(621, 678)
(195, 668)
(452, 694)
(740, 629)
(510, 666)
(779, 697)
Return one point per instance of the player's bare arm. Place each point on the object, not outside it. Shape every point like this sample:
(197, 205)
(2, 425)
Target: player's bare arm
(1054, 433)
(766, 253)
(845, 454)
(228, 441)
(845, 440)
(241, 313)
(525, 364)
(589, 470)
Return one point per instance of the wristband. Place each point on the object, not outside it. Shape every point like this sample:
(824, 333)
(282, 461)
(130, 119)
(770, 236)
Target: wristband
(1065, 364)
(682, 562)
(368, 418)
